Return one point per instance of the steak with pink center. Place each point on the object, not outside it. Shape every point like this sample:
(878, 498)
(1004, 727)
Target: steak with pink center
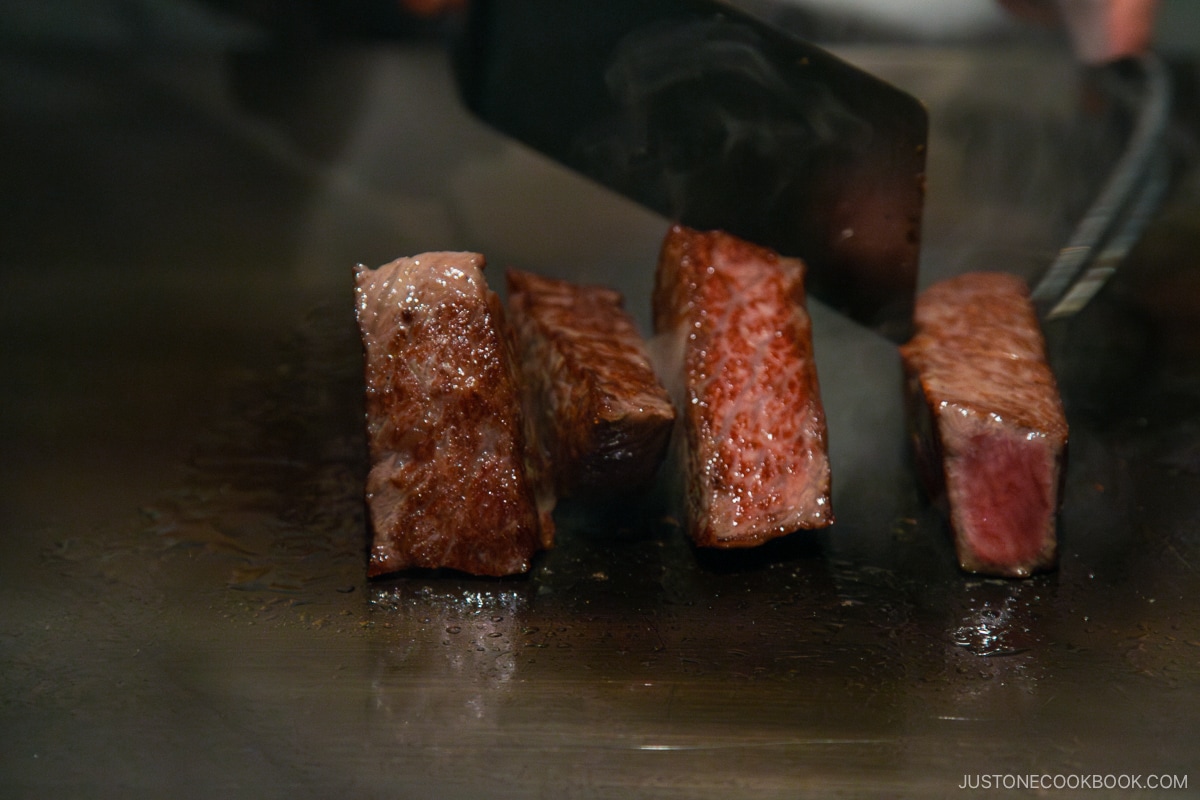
(989, 430)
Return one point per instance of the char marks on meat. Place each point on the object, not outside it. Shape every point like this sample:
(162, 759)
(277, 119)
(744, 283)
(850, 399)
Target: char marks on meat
(989, 430)
(733, 318)
(603, 417)
(448, 485)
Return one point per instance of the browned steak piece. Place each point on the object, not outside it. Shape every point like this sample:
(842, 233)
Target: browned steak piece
(448, 485)
(603, 417)
(740, 339)
(989, 430)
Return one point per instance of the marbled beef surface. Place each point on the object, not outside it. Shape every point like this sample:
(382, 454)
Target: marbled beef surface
(739, 338)
(447, 485)
(989, 429)
(603, 417)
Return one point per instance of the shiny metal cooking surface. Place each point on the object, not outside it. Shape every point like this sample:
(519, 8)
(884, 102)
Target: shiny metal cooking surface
(183, 608)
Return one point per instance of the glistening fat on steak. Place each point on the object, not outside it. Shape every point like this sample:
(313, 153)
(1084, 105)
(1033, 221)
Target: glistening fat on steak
(989, 430)
(739, 337)
(603, 417)
(448, 485)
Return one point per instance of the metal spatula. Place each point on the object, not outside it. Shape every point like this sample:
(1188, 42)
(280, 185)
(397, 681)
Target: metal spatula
(717, 120)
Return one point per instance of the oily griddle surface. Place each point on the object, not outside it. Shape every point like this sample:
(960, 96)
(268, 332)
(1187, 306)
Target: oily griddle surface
(234, 611)
(182, 572)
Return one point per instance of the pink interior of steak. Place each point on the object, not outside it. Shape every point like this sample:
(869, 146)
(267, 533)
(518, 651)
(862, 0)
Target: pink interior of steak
(1002, 492)
(754, 425)
(447, 486)
(603, 416)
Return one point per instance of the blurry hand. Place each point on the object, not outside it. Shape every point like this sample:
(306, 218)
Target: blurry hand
(1100, 30)
(430, 8)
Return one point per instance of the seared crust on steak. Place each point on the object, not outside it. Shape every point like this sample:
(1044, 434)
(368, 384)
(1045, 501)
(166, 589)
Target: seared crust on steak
(989, 431)
(603, 417)
(448, 485)
(738, 332)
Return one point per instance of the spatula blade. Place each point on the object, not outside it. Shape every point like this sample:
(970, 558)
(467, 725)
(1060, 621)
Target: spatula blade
(716, 119)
